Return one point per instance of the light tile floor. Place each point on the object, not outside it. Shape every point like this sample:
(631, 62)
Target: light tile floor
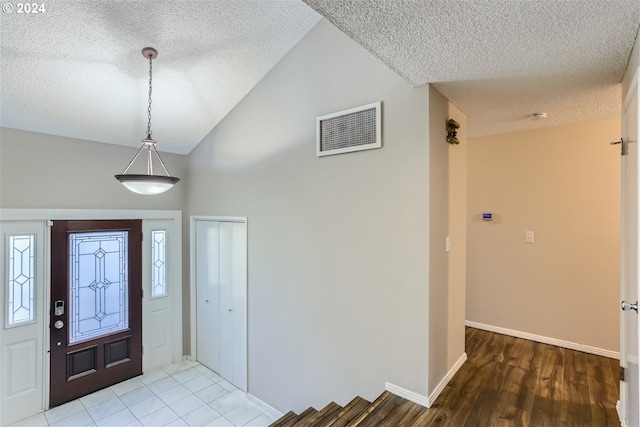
(182, 394)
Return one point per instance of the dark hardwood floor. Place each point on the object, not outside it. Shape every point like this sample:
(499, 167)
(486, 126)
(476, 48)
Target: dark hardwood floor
(509, 381)
(505, 381)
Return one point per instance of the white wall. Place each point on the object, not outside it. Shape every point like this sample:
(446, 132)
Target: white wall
(46, 171)
(563, 183)
(339, 245)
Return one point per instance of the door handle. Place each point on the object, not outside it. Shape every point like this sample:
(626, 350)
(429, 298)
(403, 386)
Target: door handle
(626, 306)
(59, 324)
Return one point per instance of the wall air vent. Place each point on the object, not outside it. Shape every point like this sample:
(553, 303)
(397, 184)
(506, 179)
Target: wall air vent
(350, 130)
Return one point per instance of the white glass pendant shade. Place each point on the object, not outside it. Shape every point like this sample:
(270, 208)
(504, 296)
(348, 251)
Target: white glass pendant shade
(147, 185)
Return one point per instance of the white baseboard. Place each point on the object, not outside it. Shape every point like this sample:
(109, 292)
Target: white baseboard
(623, 421)
(546, 340)
(264, 406)
(443, 383)
(426, 401)
(407, 394)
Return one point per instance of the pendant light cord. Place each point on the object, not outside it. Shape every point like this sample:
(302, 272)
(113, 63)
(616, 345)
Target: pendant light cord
(150, 89)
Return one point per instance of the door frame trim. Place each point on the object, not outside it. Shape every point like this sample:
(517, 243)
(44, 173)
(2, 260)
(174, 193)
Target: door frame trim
(632, 85)
(621, 405)
(192, 278)
(11, 214)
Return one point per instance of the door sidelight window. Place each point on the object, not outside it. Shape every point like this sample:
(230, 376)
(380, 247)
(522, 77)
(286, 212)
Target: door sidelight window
(21, 281)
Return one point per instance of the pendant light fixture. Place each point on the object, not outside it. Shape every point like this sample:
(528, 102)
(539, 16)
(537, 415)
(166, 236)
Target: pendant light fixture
(148, 184)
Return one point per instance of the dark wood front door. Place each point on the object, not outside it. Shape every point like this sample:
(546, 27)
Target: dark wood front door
(96, 306)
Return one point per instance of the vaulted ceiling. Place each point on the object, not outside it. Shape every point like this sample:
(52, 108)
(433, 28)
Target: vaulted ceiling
(75, 69)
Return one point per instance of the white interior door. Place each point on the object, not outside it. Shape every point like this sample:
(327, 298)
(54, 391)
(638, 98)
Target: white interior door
(207, 293)
(233, 280)
(221, 298)
(22, 312)
(629, 319)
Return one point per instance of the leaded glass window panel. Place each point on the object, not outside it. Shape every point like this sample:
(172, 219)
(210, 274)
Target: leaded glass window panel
(158, 263)
(99, 294)
(21, 280)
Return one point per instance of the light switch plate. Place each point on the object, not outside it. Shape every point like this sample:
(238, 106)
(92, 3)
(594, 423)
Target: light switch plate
(528, 237)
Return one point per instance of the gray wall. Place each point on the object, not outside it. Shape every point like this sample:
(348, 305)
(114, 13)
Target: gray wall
(438, 231)
(447, 217)
(458, 232)
(46, 171)
(338, 246)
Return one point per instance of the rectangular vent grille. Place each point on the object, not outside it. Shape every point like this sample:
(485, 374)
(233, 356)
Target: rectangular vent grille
(350, 130)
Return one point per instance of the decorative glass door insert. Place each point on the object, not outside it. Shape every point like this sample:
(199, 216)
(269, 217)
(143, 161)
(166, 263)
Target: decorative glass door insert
(159, 263)
(98, 287)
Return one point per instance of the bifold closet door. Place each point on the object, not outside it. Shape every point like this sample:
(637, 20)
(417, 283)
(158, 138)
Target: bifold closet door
(221, 300)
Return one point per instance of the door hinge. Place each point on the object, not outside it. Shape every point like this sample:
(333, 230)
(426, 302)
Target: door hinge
(624, 146)
(142, 237)
(621, 373)
(49, 223)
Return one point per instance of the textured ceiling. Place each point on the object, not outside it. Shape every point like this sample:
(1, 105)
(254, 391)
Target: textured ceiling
(501, 60)
(76, 70)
